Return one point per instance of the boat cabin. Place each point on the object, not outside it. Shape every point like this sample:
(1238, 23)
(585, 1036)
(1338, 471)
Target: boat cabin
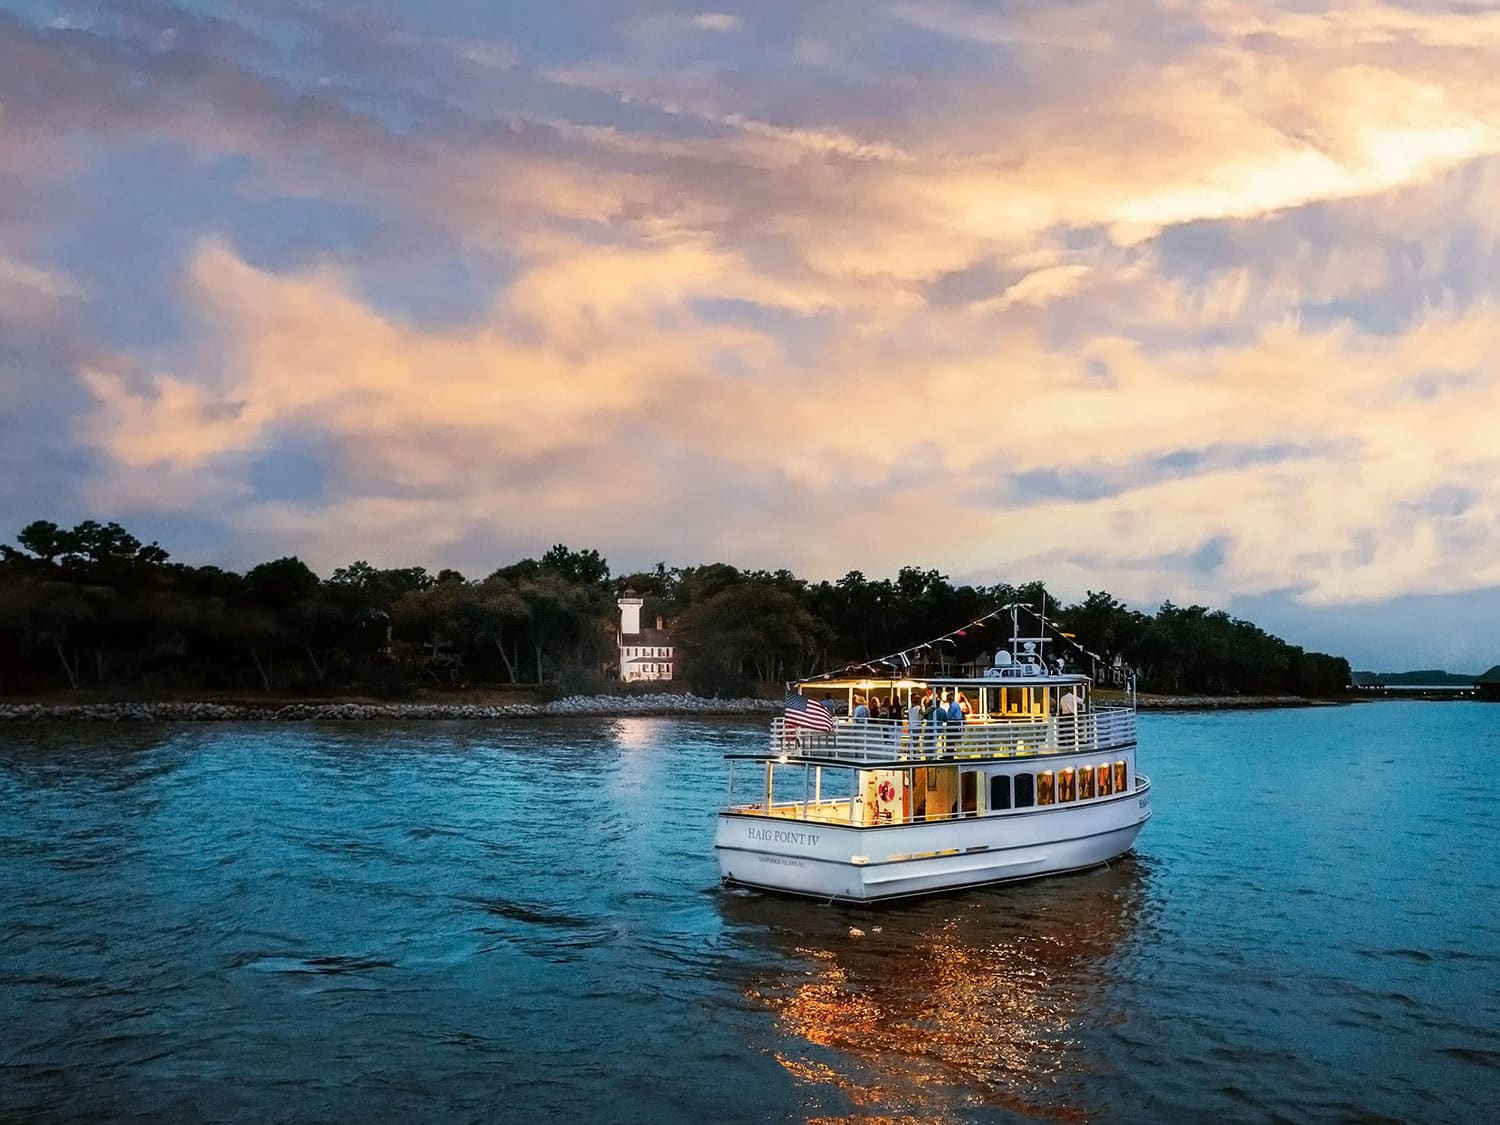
(1025, 740)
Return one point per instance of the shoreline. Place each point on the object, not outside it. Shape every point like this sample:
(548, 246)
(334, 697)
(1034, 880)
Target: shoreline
(579, 706)
(584, 706)
(1233, 702)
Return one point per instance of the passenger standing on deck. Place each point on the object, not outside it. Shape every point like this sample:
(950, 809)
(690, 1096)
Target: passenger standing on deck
(929, 715)
(1067, 716)
(956, 717)
(914, 724)
(939, 722)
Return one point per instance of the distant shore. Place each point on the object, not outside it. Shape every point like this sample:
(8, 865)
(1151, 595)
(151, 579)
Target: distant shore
(1233, 702)
(602, 706)
(365, 711)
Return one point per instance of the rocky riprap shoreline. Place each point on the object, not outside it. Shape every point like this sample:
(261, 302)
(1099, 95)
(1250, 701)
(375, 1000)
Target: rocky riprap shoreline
(602, 705)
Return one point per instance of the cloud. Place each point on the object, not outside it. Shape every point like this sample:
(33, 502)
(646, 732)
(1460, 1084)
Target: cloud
(31, 294)
(1190, 300)
(717, 21)
(595, 422)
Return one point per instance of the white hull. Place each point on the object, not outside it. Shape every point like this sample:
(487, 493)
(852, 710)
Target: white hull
(836, 861)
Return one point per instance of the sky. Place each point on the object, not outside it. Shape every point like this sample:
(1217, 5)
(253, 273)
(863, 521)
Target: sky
(1179, 299)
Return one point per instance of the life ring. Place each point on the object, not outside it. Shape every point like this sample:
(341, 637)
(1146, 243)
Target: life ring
(887, 791)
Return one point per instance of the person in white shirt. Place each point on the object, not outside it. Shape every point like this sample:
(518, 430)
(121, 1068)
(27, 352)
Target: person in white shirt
(1067, 710)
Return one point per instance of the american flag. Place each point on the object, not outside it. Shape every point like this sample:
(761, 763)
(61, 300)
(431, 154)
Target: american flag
(804, 712)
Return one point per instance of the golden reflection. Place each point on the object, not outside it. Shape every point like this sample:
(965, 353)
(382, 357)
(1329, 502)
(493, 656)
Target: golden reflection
(914, 1011)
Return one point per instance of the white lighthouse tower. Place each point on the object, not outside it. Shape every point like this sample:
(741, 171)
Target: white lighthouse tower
(630, 613)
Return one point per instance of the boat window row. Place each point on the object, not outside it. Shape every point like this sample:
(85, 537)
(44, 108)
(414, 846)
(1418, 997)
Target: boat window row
(1052, 787)
(926, 793)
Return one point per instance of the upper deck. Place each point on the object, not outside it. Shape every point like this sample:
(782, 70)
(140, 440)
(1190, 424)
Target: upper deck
(879, 743)
(1023, 704)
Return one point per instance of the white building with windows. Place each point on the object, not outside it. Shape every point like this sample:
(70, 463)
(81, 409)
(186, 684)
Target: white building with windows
(645, 654)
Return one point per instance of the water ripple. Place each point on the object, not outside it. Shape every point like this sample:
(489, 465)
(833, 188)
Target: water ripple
(454, 921)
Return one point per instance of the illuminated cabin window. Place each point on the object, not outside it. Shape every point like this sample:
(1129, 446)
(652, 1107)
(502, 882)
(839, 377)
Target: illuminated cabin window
(1000, 792)
(1106, 780)
(1085, 783)
(1065, 790)
(1122, 778)
(1025, 790)
(1045, 791)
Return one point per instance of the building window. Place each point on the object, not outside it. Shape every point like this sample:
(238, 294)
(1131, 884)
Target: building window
(999, 792)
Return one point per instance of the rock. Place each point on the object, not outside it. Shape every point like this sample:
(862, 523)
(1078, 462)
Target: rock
(573, 705)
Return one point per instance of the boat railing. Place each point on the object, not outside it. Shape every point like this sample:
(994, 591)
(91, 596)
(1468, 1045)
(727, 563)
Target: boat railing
(884, 740)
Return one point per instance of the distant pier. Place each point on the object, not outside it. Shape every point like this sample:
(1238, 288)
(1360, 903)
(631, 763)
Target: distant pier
(1417, 691)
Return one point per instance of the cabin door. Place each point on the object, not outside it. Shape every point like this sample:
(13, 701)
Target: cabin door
(936, 792)
(968, 793)
(884, 796)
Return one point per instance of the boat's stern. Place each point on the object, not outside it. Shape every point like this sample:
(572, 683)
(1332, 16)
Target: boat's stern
(788, 855)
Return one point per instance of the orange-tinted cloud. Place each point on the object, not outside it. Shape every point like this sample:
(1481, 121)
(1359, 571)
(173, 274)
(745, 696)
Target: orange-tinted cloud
(1193, 299)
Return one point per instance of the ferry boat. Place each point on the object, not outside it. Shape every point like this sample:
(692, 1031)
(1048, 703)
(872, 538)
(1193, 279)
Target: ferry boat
(1037, 779)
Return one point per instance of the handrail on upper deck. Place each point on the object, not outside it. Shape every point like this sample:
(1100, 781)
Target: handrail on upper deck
(885, 740)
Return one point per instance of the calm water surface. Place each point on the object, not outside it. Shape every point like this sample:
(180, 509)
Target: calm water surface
(522, 921)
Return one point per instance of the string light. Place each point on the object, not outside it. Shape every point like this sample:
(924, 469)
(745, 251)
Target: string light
(905, 655)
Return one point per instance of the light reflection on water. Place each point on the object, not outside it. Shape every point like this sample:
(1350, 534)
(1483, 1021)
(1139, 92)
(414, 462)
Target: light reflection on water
(971, 999)
(462, 922)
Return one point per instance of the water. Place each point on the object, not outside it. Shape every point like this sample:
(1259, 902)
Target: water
(522, 922)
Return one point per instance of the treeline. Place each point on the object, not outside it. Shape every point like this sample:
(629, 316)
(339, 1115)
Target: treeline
(92, 607)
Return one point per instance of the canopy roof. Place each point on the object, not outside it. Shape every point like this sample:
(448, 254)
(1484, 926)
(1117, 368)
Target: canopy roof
(867, 683)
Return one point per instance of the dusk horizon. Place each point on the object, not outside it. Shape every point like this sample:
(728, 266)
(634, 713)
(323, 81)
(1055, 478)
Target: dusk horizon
(1193, 302)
